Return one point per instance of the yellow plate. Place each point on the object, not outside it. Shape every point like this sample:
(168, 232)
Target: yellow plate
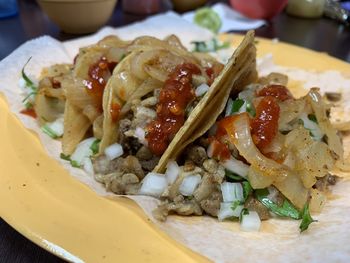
(44, 203)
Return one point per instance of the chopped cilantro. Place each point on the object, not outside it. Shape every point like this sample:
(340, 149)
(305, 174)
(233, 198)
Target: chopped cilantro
(95, 146)
(46, 129)
(244, 212)
(29, 82)
(247, 189)
(75, 163)
(235, 204)
(209, 46)
(233, 177)
(312, 117)
(251, 109)
(286, 210)
(236, 105)
(25, 100)
(306, 218)
(28, 105)
(65, 157)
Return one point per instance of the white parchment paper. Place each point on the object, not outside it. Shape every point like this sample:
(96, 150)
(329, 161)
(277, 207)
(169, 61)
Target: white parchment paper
(279, 240)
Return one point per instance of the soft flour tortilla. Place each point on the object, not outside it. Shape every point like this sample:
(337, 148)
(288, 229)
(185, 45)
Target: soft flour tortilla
(278, 240)
(240, 69)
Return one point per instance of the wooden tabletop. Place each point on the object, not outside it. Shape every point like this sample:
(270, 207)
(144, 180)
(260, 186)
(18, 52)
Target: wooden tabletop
(322, 34)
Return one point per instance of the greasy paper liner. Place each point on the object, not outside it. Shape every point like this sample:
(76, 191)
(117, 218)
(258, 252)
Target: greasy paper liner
(278, 240)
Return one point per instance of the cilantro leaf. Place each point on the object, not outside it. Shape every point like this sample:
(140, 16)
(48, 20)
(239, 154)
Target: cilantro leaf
(251, 109)
(235, 204)
(233, 177)
(236, 105)
(247, 189)
(65, 157)
(75, 163)
(95, 146)
(209, 46)
(312, 117)
(286, 210)
(29, 82)
(244, 212)
(306, 218)
(46, 129)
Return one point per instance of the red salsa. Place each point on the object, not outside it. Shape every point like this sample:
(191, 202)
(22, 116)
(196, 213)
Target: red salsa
(213, 72)
(99, 73)
(278, 91)
(264, 126)
(30, 112)
(174, 97)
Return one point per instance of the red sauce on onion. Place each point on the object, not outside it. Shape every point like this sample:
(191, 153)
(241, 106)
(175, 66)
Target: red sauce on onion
(264, 126)
(99, 73)
(174, 97)
(220, 149)
(30, 112)
(213, 72)
(279, 92)
(115, 111)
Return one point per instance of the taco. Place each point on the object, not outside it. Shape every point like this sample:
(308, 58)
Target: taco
(69, 96)
(165, 106)
(268, 154)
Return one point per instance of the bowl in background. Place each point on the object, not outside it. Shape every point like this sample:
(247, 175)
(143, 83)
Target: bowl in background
(186, 5)
(265, 9)
(78, 16)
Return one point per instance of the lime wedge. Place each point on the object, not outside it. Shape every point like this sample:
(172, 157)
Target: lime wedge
(207, 18)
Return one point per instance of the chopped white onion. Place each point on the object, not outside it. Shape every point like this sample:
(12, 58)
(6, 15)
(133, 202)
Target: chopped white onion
(147, 112)
(226, 211)
(315, 130)
(153, 184)
(250, 222)
(189, 184)
(232, 192)
(54, 129)
(236, 166)
(57, 126)
(172, 171)
(201, 90)
(140, 135)
(82, 151)
(114, 151)
(87, 166)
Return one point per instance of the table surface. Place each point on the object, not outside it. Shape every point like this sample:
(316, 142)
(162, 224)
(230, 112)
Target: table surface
(322, 34)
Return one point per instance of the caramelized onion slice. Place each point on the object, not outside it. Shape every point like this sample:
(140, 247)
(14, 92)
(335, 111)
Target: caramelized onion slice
(319, 108)
(286, 181)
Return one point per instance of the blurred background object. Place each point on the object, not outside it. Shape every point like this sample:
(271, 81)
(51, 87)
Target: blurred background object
(338, 11)
(141, 7)
(8, 8)
(265, 9)
(78, 16)
(186, 5)
(306, 8)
